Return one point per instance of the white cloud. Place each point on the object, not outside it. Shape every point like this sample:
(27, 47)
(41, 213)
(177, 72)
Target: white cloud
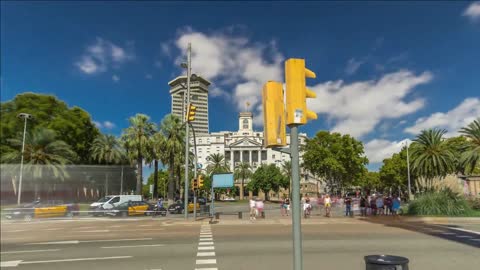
(473, 11)
(97, 124)
(166, 49)
(218, 92)
(452, 121)
(103, 54)
(358, 107)
(353, 66)
(148, 76)
(377, 149)
(233, 63)
(115, 78)
(108, 125)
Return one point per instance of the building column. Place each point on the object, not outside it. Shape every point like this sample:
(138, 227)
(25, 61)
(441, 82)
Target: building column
(232, 160)
(260, 156)
(241, 155)
(250, 158)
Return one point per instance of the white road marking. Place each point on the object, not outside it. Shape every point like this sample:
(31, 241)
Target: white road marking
(146, 225)
(54, 229)
(464, 230)
(88, 241)
(205, 254)
(448, 233)
(204, 233)
(86, 228)
(13, 231)
(476, 239)
(464, 236)
(206, 239)
(79, 259)
(206, 268)
(205, 243)
(29, 251)
(156, 245)
(208, 261)
(94, 231)
(206, 248)
(9, 263)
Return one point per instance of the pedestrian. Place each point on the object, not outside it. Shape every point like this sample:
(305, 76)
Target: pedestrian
(348, 206)
(388, 205)
(396, 203)
(252, 209)
(259, 206)
(373, 206)
(307, 207)
(282, 207)
(363, 206)
(328, 205)
(380, 205)
(287, 206)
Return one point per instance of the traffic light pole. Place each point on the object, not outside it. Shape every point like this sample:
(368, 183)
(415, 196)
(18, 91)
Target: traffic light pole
(194, 173)
(187, 139)
(296, 210)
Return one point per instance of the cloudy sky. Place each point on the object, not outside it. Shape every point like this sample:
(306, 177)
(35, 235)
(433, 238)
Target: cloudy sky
(385, 71)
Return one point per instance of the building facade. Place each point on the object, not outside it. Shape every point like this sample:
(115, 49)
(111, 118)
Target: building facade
(198, 97)
(246, 145)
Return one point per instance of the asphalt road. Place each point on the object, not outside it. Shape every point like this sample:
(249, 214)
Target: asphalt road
(163, 243)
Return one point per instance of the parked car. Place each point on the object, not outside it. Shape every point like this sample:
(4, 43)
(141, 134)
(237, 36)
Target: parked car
(178, 207)
(131, 208)
(38, 209)
(101, 206)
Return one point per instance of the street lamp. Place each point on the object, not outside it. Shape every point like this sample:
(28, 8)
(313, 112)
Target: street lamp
(188, 66)
(25, 116)
(408, 173)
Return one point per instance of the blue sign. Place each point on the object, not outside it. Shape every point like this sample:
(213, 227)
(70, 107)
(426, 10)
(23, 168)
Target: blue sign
(223, 180)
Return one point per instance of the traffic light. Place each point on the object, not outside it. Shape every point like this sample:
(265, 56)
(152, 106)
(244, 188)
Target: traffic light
(194, 184)
(200, 181)
(297, 92)
(274, 130)
(191, 111)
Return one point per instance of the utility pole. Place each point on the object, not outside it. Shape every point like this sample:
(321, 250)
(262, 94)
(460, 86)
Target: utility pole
(24, 116)
(187, 150)
(408, 174)
(296, 208)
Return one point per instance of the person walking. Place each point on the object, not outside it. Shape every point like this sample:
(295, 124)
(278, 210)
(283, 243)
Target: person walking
(388, 205)
(259, 206)
(307, 207)
(363, 206)
(380, 205)
(328, 205)
(252, 209)
(396, 203)
(348, 206)
(287, 206)
(373, 206)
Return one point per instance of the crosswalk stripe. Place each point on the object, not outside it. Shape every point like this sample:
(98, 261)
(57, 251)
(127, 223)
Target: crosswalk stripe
(207, 261)
(205, 254)
(206, 248)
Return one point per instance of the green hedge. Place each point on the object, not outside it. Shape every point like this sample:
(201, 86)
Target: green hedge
(440, 203)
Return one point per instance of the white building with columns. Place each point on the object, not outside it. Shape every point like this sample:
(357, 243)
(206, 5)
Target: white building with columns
(246, 145)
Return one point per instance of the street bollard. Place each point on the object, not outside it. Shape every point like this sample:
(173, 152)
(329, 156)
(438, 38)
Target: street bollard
(263, 214)
(217, 215)
(240, 216)
(386, 262)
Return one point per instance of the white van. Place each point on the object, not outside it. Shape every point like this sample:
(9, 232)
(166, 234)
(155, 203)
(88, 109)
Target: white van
(111, 201)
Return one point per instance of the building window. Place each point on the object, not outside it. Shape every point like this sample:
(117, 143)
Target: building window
(254, 156)
(227, 155)
(245, 123)
(194, 97)
(264, 155)
(236, 156)
(246, 156)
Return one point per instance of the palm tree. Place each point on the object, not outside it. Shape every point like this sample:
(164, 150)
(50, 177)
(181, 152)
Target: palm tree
(174, 133)
(106, 149)
(137, 141)
(217, 164)
(44, 155)
(157, 154)
(470, 159)
(287, 172)
(243, 171)
(431, 156)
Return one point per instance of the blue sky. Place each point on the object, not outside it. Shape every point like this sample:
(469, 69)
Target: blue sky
(384, 70)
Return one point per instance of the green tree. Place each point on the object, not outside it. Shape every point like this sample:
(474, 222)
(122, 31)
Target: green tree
(44, 155)
(431, 156)
(458, 145)
(287, 172)
(242, 171)
(162, 183)
(174, 133)
(394, 172)
(158, 145)
(106, 149)
(267, 178)
(217, 164)
(137, 139)
(470, 159)
(339, 159)
(72, 125)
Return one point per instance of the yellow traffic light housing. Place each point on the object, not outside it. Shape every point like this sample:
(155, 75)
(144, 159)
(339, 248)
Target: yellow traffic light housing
(200, 181)
(194, 184)
(191, 111)
(297, 92)
(274, 130)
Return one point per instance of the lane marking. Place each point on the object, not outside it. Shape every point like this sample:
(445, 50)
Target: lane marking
(94, 231)
(156, 245)
(14, 231)
(88, 241)
(29, 251)
(205, 254)
(448, 233)
(206, 248)
(206, 239)
(203, 233)
(207, 261)
(206, 268)
(146, 225)
(205, 243)
(55, 243)
(463, 230)
(79, 259)
(9, 263)
(477, 239)
(464, 236)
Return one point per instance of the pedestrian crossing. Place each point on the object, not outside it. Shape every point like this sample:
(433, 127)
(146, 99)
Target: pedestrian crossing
(206, 257)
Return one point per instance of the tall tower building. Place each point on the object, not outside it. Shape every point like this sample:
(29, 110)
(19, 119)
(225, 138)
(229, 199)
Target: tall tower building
(198, 97)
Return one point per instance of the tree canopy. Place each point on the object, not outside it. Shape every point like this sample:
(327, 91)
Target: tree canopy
(267, 178)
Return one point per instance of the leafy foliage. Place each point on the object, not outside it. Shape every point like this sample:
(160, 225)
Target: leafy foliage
(337, 158)
(267, 178)
(217, 164)
(242, 171)
(394, 172)
(470, 159)
(442, 203)
(71, 125)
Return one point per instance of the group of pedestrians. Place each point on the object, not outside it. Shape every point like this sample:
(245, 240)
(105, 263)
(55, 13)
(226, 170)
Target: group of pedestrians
(380, 205)
(256, 208)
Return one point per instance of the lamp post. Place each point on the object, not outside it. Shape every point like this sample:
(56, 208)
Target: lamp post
(408, 173)
(188, 66)
(25, 116)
